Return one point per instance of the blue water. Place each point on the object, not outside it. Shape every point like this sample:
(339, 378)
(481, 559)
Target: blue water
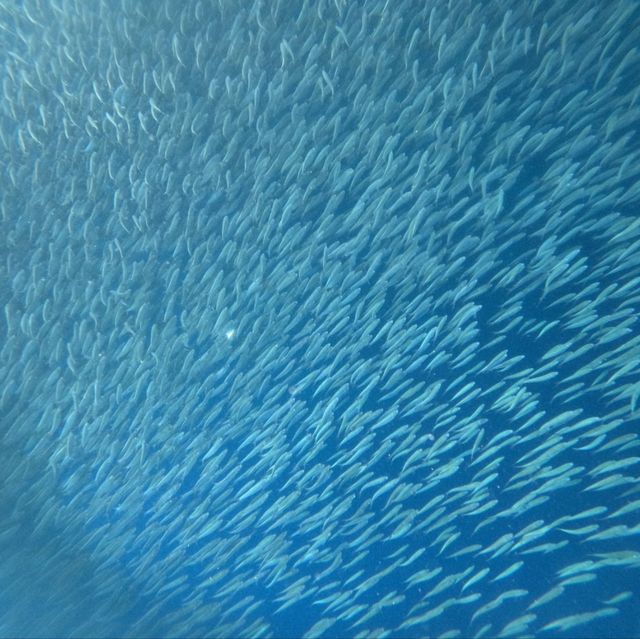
(304, 301)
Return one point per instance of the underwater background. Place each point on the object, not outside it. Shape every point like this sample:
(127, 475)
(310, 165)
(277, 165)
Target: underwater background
(320, 318)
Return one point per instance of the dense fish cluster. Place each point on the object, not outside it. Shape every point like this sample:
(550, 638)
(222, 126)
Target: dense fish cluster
(320, 318)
